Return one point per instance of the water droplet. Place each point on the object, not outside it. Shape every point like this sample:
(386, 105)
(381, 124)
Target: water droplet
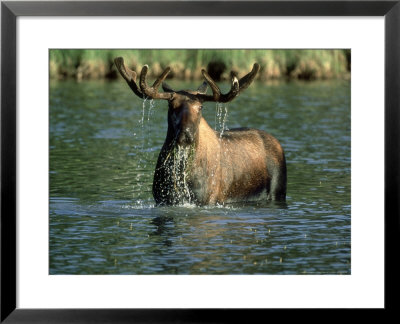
(221, 114)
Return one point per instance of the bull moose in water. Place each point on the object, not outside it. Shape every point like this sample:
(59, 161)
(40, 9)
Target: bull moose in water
(200, 165)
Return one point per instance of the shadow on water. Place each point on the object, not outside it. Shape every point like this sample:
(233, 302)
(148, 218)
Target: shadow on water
(104, 144)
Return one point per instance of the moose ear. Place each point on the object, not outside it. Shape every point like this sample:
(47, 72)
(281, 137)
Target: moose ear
(203, 88)
(166, 87)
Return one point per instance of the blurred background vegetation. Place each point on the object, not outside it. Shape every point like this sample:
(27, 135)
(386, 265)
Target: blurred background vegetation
(186, 64)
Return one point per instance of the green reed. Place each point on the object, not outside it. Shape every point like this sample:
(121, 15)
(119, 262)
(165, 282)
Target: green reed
(186, 63)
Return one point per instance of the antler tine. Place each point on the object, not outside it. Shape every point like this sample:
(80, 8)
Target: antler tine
(249, 77)
(236, 86)
(215, 89)
(128, 75)
(235, 89)
(152, 92)
(161, 78)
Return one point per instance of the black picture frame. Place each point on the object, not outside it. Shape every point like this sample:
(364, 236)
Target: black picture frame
(10, 10)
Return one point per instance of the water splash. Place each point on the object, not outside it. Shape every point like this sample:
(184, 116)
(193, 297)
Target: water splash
(180, 171)
(139, 204)
(177, 161)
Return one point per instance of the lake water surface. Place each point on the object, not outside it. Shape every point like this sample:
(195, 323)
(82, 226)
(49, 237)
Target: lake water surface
(104, 143)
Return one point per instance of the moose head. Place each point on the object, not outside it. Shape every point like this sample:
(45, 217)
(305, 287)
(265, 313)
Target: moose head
(213, 168)
(185, 107)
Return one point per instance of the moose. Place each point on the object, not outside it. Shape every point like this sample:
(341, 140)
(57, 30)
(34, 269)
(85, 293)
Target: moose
(200, 165)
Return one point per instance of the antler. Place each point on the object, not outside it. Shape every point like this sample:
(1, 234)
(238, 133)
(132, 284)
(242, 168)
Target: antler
(145, 91)
(236, 86)
(128, 75)
(152, 92)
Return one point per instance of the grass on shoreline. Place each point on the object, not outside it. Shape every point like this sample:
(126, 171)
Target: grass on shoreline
(186, 64)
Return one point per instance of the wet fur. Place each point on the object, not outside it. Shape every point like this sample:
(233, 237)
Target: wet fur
(199, 165)
(240, 165)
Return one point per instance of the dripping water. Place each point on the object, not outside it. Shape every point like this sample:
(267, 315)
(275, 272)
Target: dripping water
(149, 114)
(224, 120)
(143, 143)
(221, 115)
(141, 122)
(180, 172)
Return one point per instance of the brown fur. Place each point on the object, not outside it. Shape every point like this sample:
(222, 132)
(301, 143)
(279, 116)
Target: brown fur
(197, 164)
(237, 166)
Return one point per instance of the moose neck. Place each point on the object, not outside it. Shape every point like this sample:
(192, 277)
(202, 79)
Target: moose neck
(207, 138)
